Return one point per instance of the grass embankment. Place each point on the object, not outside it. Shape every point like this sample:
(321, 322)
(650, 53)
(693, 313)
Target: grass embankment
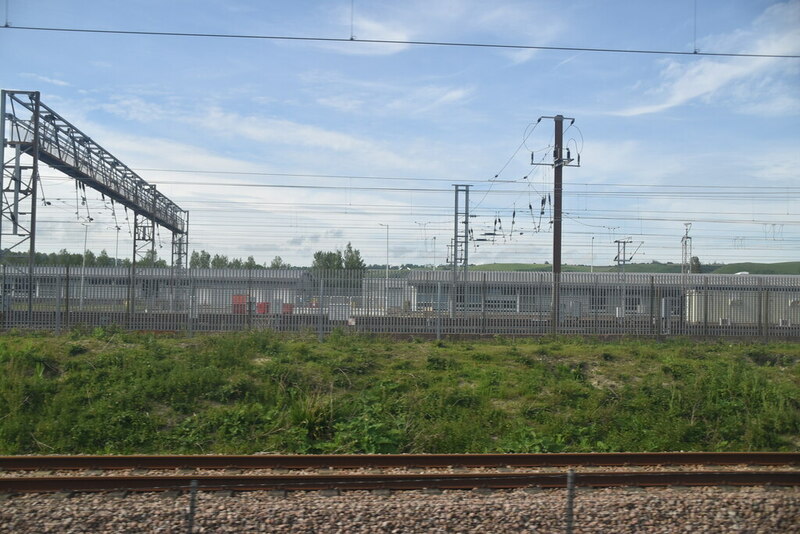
(119, 392)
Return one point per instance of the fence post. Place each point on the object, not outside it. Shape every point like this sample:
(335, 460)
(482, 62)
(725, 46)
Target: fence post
(705, 307)
(6, 306)
(766, 314)
(483, 305)
(652, 305)
(570, 500)
(131, 291)
(438, 311)
(662, 316)
(192, 506)
(58, 301)
(249, 299)
(192, 307)
(594, 303)
(66, 298)
(320, 334)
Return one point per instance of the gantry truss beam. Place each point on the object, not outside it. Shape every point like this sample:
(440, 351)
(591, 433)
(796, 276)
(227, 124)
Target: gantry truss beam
(30, 127)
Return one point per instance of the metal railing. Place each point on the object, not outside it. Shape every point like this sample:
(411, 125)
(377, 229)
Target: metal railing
(419, 303)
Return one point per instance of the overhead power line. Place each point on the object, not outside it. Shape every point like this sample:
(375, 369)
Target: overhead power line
(331, 176)
(572, 185)
(642, 194)
(398, 42)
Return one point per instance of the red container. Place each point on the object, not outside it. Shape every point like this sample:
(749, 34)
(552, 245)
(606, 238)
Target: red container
(287, 309)
(239, 304)
(262, 308)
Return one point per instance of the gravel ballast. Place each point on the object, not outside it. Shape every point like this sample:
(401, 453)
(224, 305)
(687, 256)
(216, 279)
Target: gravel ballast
(622, 510)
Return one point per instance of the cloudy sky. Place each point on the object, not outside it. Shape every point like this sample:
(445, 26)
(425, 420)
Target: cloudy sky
(285, 146)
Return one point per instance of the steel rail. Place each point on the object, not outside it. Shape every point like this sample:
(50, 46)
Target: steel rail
(397, 460)
(395, 481)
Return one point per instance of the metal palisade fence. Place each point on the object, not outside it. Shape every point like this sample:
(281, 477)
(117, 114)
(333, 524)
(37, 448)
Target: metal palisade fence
(425, 303)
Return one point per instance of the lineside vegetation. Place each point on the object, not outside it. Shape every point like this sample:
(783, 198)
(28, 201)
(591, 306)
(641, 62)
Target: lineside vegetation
(108, 391)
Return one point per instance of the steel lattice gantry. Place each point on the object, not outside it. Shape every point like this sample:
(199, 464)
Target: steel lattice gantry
(36, 134)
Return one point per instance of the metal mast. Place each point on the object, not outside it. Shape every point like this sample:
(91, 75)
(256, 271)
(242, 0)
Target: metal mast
(561, 158)
(460, 242)
(37, 134)
(686, 250)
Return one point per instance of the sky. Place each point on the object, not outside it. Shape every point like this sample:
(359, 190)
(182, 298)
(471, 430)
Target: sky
(282, 147)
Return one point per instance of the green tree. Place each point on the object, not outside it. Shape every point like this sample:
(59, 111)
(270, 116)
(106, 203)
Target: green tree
(695, 266)
(328, 261)
(344, 269)
(200, 260)
(104, 260)
(91, 259)
(251, 263)
(278, 263)
(219, 261)
(150, 260)
(351, 259)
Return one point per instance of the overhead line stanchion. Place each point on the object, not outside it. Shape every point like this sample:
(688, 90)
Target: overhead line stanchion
(561, 159)
(460, 248)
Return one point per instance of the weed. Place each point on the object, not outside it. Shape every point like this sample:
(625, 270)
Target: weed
(480, 357)
(75, 349)
(439, 363)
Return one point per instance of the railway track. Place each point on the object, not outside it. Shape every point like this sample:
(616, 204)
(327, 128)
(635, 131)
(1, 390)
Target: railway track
(432, 471)
(320, 461)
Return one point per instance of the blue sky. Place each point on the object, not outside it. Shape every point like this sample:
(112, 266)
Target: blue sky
(664, 139)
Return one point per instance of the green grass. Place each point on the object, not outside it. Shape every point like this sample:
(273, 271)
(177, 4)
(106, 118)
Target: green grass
(109, 391)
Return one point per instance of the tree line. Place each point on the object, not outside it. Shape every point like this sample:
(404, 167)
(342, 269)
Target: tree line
(349, 258)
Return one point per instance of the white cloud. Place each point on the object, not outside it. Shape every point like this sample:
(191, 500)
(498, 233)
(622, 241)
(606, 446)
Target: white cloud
(425, 99)
(45, 79)
(135, 108)
(364, 29)
(341, 103)
(777, 164)
(525, 22)
(775, 32)
(407, 97)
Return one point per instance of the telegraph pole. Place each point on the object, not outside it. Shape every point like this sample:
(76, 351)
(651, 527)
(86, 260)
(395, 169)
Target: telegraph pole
(561, 159)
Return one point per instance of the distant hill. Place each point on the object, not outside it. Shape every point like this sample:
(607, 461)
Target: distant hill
(788, 267)
(791, 267)
(511, 267)
(546, 267)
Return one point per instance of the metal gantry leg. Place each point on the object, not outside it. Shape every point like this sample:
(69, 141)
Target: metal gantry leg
(20, 177)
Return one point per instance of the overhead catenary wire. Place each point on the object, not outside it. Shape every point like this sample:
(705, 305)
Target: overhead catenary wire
(239, 221)
(431, 43)
(569, 186)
